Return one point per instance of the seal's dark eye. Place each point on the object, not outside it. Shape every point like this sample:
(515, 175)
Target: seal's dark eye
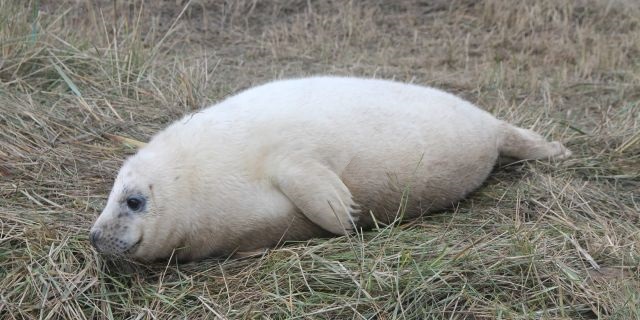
(135, 203)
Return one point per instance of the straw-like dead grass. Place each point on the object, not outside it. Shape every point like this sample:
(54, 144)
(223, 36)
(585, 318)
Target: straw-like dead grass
(537, 241)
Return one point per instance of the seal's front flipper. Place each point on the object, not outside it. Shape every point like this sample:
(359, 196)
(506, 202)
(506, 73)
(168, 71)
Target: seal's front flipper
(318, 192)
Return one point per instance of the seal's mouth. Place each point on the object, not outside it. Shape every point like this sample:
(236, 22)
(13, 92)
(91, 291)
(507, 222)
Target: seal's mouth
(133, 248)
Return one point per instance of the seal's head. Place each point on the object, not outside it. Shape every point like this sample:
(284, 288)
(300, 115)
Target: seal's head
(132, 223)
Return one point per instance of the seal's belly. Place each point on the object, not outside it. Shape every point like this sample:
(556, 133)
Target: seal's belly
(424, 182)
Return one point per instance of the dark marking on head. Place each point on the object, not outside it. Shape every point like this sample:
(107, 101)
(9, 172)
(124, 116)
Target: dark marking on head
(176, 178)
(125, 193)
(153, 196)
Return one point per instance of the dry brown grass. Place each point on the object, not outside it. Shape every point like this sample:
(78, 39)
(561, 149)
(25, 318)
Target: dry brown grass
(537, 241)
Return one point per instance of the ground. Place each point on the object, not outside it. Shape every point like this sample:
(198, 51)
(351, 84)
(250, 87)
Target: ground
(538, 240)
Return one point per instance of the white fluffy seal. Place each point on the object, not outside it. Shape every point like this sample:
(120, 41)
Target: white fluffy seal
(302, 158)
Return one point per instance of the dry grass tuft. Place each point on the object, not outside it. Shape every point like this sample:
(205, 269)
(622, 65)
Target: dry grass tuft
(537, 241)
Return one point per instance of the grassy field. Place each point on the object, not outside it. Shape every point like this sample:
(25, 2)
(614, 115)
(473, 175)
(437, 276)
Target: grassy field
(537, 241)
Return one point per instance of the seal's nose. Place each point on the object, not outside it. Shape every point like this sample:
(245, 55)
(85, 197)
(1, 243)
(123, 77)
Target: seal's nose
(93, 237)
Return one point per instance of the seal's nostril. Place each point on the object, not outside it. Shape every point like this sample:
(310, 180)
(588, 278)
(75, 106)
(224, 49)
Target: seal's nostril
(93, 237)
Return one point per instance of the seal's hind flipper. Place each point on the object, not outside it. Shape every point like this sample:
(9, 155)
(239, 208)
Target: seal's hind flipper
(522, 144)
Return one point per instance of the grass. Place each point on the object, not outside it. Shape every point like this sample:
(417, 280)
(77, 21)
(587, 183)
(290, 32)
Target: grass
(537, 241)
